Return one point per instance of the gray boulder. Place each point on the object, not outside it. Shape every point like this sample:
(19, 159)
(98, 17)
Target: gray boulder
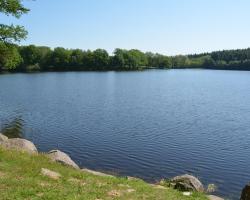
(245, 194)
(187, 183)
(3, 138)
(19, 144)
(61, 157)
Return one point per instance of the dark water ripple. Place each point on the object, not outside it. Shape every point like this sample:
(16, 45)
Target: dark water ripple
(152, 124)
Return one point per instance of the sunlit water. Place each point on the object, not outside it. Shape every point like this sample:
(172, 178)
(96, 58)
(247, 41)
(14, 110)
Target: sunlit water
(153, 124)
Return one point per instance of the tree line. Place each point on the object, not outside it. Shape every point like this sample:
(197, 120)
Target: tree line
(36, 58)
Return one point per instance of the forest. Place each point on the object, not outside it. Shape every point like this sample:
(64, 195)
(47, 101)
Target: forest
(14, 58)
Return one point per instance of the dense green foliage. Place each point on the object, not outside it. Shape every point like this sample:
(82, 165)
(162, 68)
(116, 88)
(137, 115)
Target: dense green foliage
(9, 34)
(227, 59)
(9, 56)
(12, 7)
(21, 179)
(60, 59)
(33, 58)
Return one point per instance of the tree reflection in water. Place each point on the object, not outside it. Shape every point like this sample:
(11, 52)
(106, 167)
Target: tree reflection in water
(13, 128)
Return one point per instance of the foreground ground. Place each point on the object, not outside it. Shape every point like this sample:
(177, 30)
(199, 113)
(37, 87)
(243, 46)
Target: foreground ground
(21, 178)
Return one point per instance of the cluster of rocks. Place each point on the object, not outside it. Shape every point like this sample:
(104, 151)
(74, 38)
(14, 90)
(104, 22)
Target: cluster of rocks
(27, 146)
(185, 183)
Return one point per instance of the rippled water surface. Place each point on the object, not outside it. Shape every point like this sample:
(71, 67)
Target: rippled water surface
(150, 124)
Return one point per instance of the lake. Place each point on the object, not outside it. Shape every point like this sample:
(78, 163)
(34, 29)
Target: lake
(152, 124)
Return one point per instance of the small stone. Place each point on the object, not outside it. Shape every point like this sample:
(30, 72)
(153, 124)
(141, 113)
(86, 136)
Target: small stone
(213, 197)
(186, 193)
(96, 173)
(132, 178)
(50, 174)
(130, 190)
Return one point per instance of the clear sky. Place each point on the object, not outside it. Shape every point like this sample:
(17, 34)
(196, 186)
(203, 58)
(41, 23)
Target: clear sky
(165, 26)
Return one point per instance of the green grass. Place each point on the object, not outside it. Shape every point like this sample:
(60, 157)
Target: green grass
(21, 178)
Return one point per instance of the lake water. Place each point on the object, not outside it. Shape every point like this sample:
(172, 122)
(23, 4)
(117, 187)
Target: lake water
(152, 124)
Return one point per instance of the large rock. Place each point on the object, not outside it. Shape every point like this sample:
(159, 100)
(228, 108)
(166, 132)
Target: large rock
(187, 183)
(19, 144)
(3, 138)
(245, 195)
(61, 157)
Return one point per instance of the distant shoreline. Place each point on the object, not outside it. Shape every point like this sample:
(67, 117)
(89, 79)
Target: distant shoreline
(41, 58)
(139, 70)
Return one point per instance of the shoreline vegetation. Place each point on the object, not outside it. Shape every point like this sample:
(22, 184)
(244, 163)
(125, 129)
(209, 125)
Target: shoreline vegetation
(25, 173)
(14, 58)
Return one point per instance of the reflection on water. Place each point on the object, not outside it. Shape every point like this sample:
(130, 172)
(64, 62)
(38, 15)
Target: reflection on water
(13, 128)
(153, 124)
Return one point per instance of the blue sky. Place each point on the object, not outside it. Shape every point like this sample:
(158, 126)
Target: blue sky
(165, 26)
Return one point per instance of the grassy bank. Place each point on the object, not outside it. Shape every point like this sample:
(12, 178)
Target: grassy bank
(21, 178)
